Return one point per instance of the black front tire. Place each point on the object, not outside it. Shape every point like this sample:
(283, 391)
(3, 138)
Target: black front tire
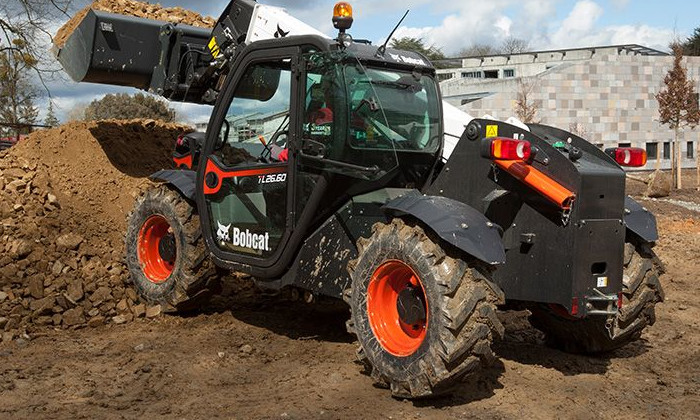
(192, 278)
(461, 320)
(641, 291)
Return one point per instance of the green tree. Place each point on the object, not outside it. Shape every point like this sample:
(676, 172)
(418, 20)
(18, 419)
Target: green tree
(124, 106)
(418, 45)
(691, 46)
(51, 119)
(678, 104)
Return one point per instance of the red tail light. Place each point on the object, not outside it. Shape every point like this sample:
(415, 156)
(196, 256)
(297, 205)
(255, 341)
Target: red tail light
(628, 156)
(619, 301)
(506, 149)
(574, 306)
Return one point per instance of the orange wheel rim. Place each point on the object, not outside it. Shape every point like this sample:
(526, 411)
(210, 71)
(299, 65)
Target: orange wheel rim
(398, 336)
(155, 268)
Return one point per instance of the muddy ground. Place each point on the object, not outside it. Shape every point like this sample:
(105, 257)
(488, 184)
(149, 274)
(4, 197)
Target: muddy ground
(251, 355)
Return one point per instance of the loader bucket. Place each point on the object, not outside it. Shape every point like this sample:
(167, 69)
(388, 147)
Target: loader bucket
(114, 49)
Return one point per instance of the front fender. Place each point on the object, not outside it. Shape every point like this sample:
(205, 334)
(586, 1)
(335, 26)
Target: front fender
(183, 180)
(640, 221)
(454, 222)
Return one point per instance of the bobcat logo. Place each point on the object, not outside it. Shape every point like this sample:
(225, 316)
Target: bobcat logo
(280, 33)
(222, 234)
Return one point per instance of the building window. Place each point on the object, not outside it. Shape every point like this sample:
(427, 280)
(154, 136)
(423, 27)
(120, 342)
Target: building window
(444, 76)
(624, 144)
(667, 150)
(491, 74)
(509, 73)
(472, 74)
(689, 150)
(652, 150)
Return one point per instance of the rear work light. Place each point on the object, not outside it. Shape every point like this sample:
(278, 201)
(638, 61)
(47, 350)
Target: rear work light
(499, 148)
(628, 156)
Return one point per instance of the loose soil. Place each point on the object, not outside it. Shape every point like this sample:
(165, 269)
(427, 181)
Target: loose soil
(138, 9)
(64, 197)
(249, 354)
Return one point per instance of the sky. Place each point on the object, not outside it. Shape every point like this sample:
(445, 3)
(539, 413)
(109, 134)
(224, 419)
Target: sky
(454, 25)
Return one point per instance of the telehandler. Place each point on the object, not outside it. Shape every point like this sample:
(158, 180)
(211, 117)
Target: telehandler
(333, 166)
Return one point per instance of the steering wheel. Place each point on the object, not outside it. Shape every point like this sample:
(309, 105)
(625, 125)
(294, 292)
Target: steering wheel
(276, 138)
(273, 145)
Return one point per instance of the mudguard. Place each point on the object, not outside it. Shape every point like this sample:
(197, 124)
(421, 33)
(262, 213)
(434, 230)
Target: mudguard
(184, 181)
(456, 223)
(640, 221)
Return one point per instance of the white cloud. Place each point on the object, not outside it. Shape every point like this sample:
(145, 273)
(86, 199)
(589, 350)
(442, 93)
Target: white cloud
(532, 20)
(578, 24)
(620, 4)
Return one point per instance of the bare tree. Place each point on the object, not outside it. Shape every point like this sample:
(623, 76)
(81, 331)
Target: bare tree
(477, 50)
(17, 94)
(27, 21)
(678, 104)
(25, 60)
(525, 108)
(579, 129)
(514, 46)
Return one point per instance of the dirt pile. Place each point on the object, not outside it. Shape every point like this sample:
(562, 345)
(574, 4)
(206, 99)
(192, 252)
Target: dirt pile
(64, 197)
(138, 9)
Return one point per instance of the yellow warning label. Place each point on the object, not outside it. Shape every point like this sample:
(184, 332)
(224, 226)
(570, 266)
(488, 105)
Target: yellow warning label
(491, 131)
(214, 47)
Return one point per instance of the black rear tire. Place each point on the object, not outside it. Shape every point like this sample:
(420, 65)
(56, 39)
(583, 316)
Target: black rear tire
(191, 278)
(460, 319)
(641, 292)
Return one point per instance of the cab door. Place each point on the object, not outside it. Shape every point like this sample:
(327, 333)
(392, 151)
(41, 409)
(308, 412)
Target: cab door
(244, 191)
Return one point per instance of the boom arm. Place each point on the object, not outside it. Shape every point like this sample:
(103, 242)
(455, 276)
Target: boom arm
(178, 62)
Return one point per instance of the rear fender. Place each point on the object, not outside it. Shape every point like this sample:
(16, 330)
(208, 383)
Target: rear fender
(183, 180)
(640, 221)
(454, 222)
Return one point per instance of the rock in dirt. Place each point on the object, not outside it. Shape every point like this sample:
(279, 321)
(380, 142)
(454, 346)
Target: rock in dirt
(69, 241)
(246, 349)
(43, 306)
(53, 256)
(57, 268)
(75, 291)
(659, 185)
(153, 311)
(36, 287)
(96, 321)
(74, 316)
(20, 248)
(100, 295)
(138, 310)
(52, 199)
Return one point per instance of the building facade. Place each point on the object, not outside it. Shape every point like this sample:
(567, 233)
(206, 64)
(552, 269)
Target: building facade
(603, 94)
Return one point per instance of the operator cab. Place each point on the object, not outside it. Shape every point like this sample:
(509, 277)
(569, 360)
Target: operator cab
(301, 125)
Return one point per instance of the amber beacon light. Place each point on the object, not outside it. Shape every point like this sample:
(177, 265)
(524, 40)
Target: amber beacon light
(342, 16)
